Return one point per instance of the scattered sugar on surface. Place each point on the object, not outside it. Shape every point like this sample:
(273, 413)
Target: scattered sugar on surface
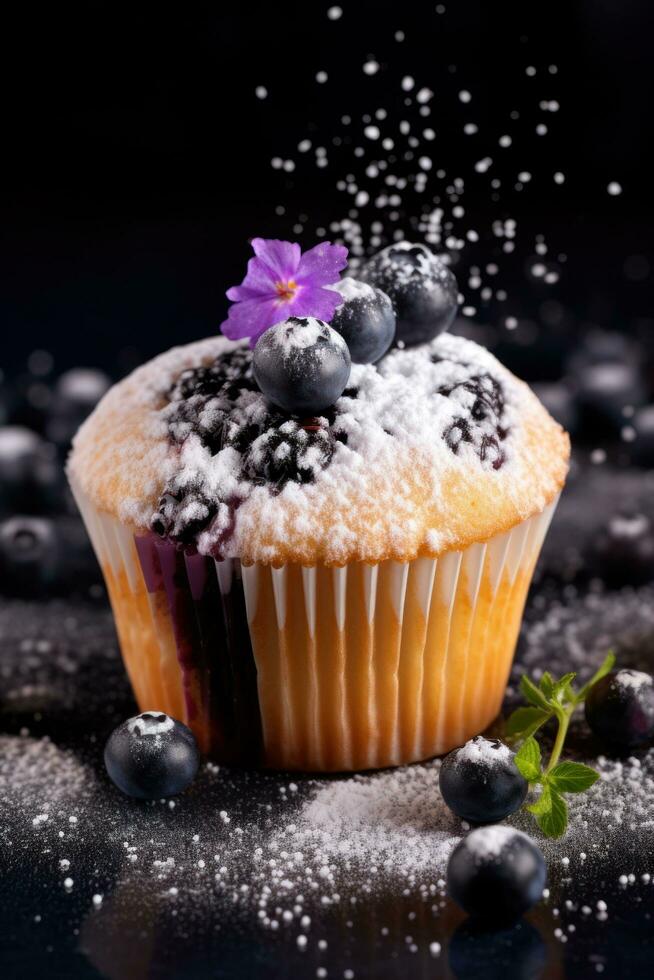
(396, 823)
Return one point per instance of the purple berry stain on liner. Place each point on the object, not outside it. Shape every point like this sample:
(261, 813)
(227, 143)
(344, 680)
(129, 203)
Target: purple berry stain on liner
(213, 646)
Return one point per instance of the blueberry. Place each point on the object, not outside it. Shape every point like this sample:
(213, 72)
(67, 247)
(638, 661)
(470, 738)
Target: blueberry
(622, 552)
(480, 781)
(641, 450)
(301, 365)
(603, 392)
(151, 756)
(421, 287)
(30, 557)
(620, 708)
(76, 394)
(31, 481)
(559, 402)
(496, 873)
(365, 320)
(604, 347)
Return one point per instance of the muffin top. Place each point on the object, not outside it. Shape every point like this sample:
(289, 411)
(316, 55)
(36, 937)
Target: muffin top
(429, 450)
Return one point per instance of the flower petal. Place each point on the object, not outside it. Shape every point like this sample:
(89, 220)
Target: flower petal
(281, 259)
(258, 282)
(320, 266)
(250, 318)
(314, 301)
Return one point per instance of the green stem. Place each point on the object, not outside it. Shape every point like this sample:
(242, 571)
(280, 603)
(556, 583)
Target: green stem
(563, 718)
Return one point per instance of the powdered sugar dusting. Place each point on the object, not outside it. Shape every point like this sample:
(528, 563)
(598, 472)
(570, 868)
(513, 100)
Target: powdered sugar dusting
(149, 724)
(288, 338)
(482, 750)
(488, 842)
(635, 680)
(350, 289)
(403, 429)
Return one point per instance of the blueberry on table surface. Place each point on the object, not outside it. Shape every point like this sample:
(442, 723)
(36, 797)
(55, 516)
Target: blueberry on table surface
(641, 448)
(365, 320)
(301, 365)
(76, 394)
(603, 392)
(152, 756)
(31, 481)
(622, 552)
(496, 873)
(480, 782)
(421, 287)
(30, 557)
(559, 401)
(620, 708)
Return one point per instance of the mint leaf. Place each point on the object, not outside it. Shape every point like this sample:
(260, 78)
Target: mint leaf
(546, 684)
(544, 802)
(525, 721)
(606, 667)
(553, 819)
(527, 759)
(532, 694)
(572, 777)
(561, 691)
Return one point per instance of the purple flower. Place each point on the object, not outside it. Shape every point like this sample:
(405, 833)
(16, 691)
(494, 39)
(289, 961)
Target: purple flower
(283, 282)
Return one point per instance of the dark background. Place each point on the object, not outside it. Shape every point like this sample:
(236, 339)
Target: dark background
(137, 164)
(137, 156)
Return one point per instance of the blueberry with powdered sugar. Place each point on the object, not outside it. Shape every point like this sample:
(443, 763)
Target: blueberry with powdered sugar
(365, 319)
(301, 365)
(496, 873)
(152, 756)
(620, 708)
(480, 781)
(421, 287)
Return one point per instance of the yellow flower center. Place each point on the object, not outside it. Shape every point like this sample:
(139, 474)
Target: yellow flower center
(286, 290)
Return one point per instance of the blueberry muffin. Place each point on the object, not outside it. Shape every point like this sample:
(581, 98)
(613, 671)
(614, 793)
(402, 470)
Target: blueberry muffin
(333, 589)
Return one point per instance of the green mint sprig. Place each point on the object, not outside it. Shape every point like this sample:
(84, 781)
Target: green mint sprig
(558, 699)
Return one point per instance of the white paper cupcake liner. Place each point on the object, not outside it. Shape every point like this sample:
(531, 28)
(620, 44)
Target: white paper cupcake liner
(320, 669)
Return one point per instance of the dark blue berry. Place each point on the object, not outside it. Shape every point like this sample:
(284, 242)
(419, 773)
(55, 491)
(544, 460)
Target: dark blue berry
(641, 449)
(480, 781)
(365, 320)
(30, 556)
(76, 394)
(301, 365)
(559, 402)
(421, 287)
(622, 552)
(31, 480)
(603, 392)
(152, 756)
(620, 708)
(496, 873)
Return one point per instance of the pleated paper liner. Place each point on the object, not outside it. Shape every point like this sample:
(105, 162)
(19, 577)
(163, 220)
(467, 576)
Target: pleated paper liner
(319, 669)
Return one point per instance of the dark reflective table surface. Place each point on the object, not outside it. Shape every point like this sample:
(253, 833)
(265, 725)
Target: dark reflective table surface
(94, 885)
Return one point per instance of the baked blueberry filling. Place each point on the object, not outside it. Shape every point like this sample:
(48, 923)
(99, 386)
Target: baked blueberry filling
(222, 408)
